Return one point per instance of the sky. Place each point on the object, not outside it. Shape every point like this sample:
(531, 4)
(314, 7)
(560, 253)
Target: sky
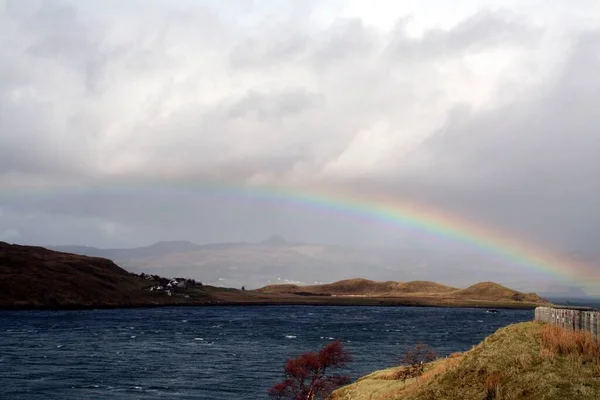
(114, 116)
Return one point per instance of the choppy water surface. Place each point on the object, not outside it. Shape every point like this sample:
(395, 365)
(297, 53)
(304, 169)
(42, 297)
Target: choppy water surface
(211, 352)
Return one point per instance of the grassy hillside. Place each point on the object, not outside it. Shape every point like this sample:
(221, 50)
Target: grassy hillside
(491, 290)
(364, 287)
(35, 277)
(522, 361)
(428, 291)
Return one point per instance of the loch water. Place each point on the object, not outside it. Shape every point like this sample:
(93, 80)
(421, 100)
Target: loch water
(212, 352)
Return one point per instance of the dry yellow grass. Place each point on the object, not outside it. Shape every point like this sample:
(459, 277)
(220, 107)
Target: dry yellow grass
(522, 361)
(556, 341)
(382, 385)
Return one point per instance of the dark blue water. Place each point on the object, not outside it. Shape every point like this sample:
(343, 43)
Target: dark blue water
(211, 352)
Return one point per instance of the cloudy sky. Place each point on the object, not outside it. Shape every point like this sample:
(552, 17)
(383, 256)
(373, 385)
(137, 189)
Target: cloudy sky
(115, 114)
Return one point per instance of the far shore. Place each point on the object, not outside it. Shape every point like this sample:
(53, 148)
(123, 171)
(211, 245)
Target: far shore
(34, 278)
(338, 301)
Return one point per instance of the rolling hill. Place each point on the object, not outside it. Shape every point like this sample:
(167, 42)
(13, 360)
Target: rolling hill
(484, 291)
(35, 277)
(491, 290)
(363, 287)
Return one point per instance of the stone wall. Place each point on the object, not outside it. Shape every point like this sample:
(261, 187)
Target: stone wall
(570, 318)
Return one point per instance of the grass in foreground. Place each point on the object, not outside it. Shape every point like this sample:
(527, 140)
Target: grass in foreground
(522, 361)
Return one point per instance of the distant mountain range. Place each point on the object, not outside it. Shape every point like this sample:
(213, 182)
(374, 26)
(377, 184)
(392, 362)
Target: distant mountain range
(275, 260)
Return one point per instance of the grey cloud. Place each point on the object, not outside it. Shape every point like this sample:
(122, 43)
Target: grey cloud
(483, 31)
(265, 52)
(274, 105)
(188, 101)
(59, 35)
(345, 40)
(550, 133)
(137, 216)
(532, 165)
(29, 147)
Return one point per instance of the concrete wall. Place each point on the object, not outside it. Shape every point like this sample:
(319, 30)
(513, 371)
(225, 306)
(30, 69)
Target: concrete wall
(570, 318)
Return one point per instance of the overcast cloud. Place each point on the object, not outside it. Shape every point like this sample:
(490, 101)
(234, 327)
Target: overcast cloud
(485, 109)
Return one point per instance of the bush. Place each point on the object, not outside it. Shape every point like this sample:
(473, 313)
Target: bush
(518, 297)
(414, 360)
(306, 376)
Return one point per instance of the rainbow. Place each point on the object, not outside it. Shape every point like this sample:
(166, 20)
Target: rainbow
(422, 218)
(397, 213)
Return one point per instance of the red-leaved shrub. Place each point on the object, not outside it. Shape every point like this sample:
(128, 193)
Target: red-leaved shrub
(306, 377)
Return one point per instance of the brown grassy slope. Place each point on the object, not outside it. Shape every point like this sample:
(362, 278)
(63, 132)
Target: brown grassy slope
(522, 361)
(34, 276)
(364, 287)
(494, 291)
(425, 287)
(487, 291)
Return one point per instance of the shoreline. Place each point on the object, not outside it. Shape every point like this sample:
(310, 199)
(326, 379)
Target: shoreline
(372, 303)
